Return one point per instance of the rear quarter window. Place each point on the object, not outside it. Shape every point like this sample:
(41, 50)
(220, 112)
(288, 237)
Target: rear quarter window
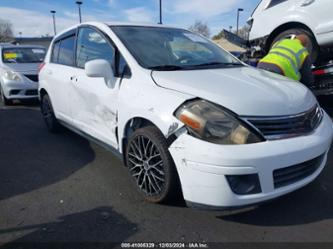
(55, 52)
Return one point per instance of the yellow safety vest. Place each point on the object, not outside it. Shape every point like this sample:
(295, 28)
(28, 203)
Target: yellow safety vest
(289, 55)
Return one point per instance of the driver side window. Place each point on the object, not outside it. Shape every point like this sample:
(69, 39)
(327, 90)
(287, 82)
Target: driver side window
(92, 45)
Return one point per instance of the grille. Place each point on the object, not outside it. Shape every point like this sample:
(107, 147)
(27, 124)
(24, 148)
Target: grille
(33, 77)
(295, 173)
(31, 92)
(288, 126)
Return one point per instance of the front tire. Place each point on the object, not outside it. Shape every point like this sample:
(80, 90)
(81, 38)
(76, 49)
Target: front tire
(4, 100)
(151, 165)
(51, 121)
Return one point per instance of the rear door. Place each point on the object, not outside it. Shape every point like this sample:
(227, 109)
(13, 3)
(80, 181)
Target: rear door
(94, 104)
(58, 74)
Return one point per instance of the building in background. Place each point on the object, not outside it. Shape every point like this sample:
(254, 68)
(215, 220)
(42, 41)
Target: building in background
(230, 42)
(41, 41)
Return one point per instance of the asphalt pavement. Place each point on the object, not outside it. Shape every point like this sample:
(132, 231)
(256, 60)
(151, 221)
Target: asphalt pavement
(61, 187)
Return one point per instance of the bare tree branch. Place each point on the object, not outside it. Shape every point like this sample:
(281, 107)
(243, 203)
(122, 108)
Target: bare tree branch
(201, 28)
(6, 31)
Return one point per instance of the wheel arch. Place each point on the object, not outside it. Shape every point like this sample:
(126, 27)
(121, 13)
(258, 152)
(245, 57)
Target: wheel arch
(42, 92)
(132, 125)
(284, 27)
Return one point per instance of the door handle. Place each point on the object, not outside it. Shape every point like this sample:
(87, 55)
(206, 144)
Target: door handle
(73, 79)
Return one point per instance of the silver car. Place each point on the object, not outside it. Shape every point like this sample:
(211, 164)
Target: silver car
(19, 71)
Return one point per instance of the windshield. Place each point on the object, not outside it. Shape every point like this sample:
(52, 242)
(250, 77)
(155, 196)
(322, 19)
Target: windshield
(23, 55)
(172, 49)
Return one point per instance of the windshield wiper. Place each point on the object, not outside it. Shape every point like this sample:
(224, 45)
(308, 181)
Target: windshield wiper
(166, 68)
(215, 63)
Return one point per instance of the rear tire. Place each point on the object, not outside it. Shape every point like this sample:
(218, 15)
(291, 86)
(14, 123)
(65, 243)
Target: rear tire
(4, 100)
(151, 165)
(313, 47)
(51, 121)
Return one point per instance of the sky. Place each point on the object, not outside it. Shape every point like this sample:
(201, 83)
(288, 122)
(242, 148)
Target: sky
(33, 18)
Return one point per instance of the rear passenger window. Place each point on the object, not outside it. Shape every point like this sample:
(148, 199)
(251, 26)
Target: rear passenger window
(92, 45)
(66, 51)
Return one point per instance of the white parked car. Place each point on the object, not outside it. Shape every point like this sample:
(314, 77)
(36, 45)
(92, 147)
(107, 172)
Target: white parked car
(19, 71)
(187, 116)
(276, 19)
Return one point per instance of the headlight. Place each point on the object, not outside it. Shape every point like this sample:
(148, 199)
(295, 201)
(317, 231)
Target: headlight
(214, 124)
(10, 75)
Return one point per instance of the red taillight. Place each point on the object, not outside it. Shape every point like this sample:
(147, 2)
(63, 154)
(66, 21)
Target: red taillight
(40, 67)
(319, 72)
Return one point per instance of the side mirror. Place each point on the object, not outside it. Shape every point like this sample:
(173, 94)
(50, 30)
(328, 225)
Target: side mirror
(100, 68)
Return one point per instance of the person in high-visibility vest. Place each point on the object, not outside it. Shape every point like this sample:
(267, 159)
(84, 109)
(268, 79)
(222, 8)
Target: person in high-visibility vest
(289, 57)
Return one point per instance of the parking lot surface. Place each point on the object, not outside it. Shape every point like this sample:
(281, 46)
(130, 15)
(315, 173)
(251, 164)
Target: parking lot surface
(61, 187)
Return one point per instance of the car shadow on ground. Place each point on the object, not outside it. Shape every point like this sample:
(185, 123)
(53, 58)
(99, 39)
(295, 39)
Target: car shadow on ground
(26, 103)
(95, 228)
(31, 157)
(312, 203)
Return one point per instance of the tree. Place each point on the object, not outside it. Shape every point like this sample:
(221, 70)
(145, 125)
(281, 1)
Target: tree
(244, 32)
(219, 35)
(6, 31)
(200, 28)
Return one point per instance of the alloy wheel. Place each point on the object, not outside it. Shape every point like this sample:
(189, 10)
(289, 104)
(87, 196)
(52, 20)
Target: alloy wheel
(146, 165)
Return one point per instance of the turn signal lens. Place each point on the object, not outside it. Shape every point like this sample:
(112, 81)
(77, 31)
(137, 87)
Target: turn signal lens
(190, 122)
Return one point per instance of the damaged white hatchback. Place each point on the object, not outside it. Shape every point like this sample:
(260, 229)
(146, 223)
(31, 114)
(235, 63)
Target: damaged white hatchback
(187, 116)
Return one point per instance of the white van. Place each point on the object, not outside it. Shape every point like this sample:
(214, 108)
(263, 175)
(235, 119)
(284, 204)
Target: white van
(276, 19)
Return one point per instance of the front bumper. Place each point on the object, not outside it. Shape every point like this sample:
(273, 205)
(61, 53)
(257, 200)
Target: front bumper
(20, 90)
(203, 166)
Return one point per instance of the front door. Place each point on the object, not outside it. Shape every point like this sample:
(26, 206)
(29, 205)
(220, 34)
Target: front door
(94, 108)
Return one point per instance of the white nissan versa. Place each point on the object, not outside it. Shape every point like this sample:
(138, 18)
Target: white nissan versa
(186, 115)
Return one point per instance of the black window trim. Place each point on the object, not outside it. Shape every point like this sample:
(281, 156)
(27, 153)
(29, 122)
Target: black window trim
(68, 34)
(52, 59)
(117, 53)
(273, 3)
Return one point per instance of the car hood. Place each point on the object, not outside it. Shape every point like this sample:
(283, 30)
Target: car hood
(243, 90)
(23, 67)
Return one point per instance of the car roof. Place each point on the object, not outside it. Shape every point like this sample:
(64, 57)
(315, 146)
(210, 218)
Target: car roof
(60, 34)
(139, 24)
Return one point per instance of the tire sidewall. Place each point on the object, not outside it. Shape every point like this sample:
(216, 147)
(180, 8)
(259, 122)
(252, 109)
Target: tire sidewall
(4, 100)
(52, 123)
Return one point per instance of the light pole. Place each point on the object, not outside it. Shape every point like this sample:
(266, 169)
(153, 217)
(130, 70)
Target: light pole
(160, 12)
(79, 5)
(238, 10)
(54, 21)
